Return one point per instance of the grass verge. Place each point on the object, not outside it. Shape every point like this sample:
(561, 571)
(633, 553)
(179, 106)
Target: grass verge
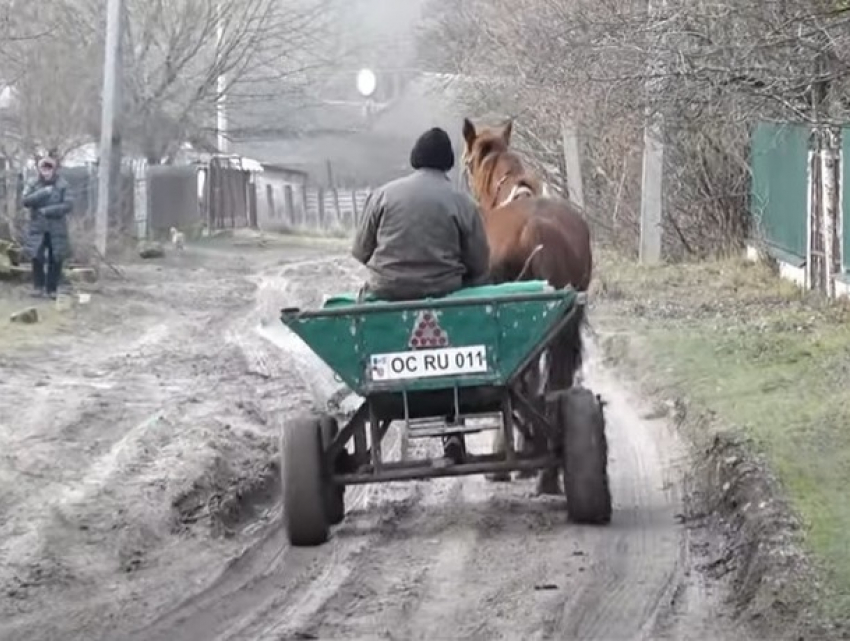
(13, 299)
(271, 238)
(754, 355)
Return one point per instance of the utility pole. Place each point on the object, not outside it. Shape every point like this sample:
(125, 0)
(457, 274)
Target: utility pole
(825, 224)
(572, 162)
(221, 87)
(109, 132)
(652, 187)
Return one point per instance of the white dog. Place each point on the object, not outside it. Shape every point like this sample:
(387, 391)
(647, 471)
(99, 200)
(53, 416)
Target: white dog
(177, 238)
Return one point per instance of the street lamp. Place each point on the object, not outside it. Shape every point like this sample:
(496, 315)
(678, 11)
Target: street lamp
(367, 82)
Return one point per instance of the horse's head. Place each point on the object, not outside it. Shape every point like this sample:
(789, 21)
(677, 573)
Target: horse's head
(492, 170)
(482, 142)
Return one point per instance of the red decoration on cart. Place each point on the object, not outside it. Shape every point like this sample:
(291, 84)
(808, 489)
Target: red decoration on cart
(427, 332)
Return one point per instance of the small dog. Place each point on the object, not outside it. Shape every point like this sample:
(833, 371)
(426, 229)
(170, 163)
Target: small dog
(177, 238)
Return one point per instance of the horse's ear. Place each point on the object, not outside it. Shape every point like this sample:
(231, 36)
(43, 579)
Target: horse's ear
(469, 133)
(507, 130)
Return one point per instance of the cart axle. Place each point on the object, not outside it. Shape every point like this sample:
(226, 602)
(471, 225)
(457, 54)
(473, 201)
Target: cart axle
(440, 467)
(440, 428)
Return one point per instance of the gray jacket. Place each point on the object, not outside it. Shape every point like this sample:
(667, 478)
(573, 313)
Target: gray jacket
(49, 205)
(421, 237)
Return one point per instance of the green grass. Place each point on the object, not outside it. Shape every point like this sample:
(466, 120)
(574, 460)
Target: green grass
(765, 359)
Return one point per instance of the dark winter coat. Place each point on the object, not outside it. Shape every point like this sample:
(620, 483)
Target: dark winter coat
(421, 237)
(49, 205)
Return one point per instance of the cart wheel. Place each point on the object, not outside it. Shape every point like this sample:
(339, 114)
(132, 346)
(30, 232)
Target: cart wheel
(334, 494)
(303, 482)
(585, 458)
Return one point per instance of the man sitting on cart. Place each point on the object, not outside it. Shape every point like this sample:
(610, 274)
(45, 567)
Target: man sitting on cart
(420, 237)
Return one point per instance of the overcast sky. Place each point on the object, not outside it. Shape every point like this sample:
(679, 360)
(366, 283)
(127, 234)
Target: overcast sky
(386, 24)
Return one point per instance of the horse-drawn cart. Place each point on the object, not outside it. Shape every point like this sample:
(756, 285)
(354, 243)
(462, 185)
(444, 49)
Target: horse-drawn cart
(456, 364)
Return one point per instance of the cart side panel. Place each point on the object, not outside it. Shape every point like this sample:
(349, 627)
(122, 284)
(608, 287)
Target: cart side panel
(345, 342)
(508, 329)
(459, 326)
(336, 341)
(523, 327)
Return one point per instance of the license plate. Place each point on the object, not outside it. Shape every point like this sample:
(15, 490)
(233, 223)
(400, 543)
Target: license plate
(428, 363)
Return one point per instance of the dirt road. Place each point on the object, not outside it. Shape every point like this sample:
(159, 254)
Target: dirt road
(139, 500)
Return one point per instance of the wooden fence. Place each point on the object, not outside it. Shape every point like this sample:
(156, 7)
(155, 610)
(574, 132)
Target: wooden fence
(153, 199)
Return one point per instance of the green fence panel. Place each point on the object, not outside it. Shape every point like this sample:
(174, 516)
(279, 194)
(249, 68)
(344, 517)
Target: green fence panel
(779, 162)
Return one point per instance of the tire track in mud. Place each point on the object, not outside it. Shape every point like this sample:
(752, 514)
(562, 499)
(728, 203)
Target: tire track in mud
(125, 406)
(114, 413)
(482, 561)
(272, 581)
(450, 558)
(269, 572)
(637, 560)
(474, 560)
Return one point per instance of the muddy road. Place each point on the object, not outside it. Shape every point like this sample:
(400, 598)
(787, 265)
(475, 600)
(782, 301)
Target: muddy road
(140, 497)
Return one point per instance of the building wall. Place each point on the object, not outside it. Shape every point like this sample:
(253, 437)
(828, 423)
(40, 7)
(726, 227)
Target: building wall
(280, 199)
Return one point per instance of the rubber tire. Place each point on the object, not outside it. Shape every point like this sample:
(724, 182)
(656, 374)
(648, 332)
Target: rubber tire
(304, 483)
(585, 458)
(334, 494)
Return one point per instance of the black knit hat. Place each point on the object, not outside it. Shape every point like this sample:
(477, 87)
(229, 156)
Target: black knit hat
(433, 150)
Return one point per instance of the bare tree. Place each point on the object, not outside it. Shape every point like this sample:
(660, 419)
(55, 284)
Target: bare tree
(37, 60)
(52, 106)
(177, 49)
(174, 53)
(715, 68)
(19, 22)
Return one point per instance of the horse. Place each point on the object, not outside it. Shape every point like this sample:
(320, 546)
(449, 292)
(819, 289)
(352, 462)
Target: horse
(531, 237)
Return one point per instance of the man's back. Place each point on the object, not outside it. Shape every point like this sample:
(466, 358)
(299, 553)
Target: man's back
(422, 236)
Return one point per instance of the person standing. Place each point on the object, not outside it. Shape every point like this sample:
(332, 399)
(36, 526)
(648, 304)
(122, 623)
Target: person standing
(47, 240)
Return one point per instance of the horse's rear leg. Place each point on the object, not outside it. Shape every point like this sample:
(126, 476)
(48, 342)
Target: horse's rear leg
(559, 369)
(529, 386)
(534, 385)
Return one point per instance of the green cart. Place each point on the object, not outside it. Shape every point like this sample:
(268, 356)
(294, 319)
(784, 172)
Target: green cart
(457, 364)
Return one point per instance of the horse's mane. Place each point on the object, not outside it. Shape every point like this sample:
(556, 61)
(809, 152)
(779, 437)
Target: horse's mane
(499, 157)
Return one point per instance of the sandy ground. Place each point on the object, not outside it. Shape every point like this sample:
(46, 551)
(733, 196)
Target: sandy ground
(140, 495)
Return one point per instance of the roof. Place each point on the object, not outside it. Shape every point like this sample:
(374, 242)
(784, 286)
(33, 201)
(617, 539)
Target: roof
(373, 152)
(284, 169)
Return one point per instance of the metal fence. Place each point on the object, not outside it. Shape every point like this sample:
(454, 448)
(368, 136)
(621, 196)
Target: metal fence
(779, 190)
(800, 198)
(152, 199)
(283, 205)
(173, 200)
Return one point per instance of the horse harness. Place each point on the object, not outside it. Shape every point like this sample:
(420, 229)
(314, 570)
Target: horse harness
(516, 191)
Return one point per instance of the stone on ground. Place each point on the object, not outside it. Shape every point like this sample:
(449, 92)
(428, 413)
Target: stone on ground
(151, 250)
(26, 316)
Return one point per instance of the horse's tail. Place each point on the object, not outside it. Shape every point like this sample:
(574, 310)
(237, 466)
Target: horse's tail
(528, 262)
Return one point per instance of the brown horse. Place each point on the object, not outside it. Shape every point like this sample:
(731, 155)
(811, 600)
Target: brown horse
(531, 237)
